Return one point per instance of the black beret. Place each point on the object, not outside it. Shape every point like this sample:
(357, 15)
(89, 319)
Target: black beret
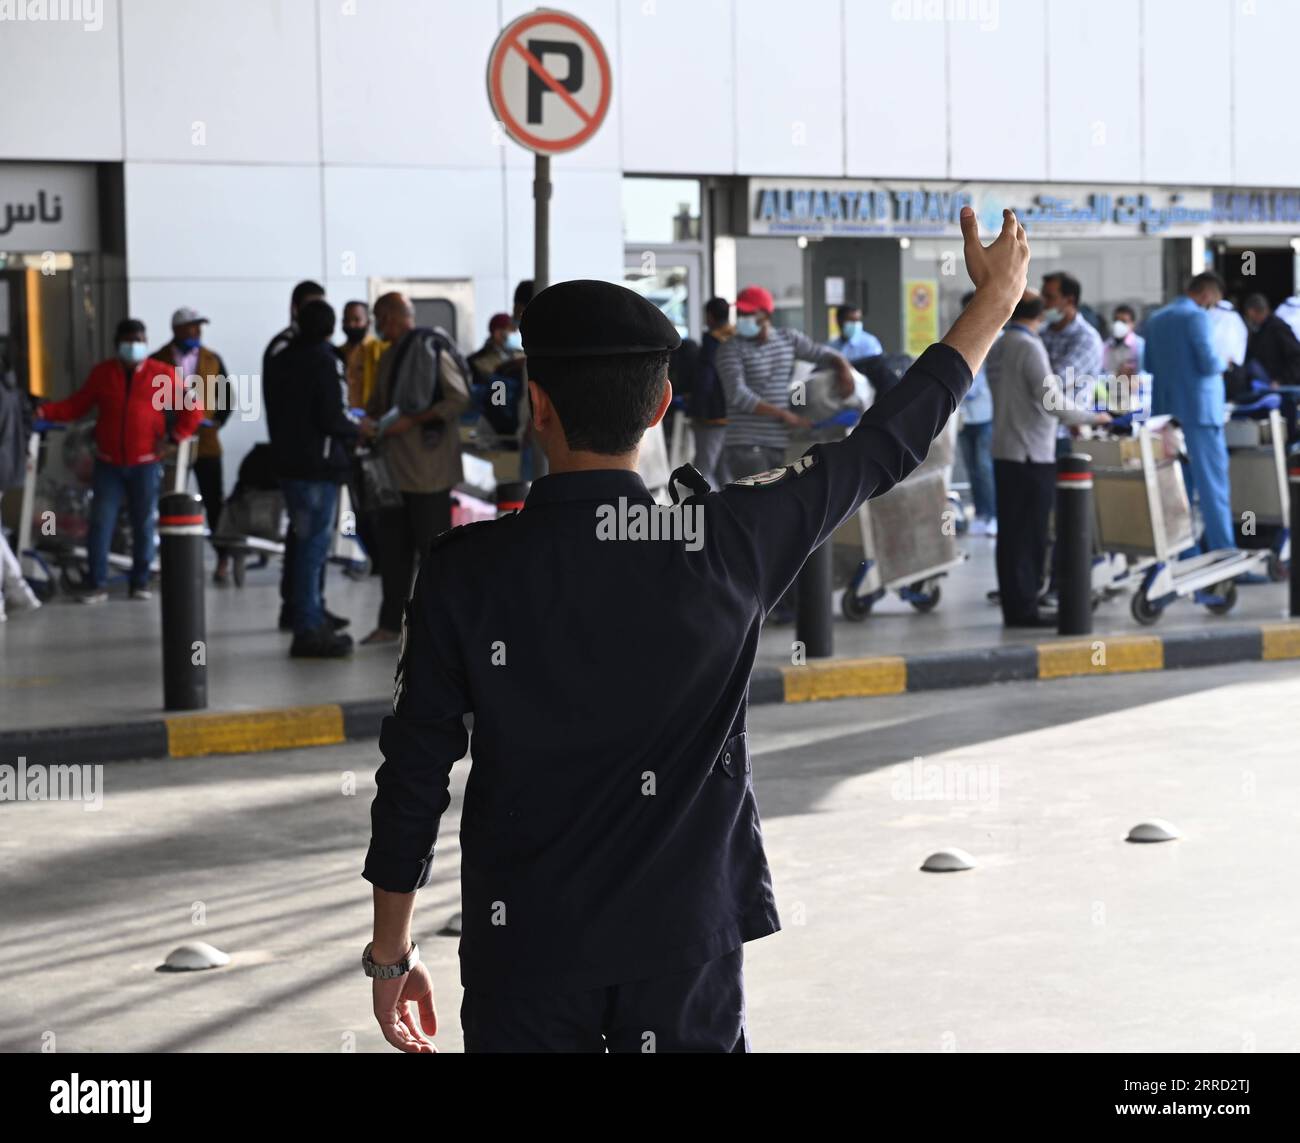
(594, 319)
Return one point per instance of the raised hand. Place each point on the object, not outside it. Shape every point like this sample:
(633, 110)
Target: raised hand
(1001, 268)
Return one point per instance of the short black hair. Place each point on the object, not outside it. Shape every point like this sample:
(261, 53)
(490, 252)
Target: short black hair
(840, 312)
(1028, 308)
(365, 306)
(1123, 308)
(1068, 284)
(524, 292)
(719, 309)
(316, 320)
(604, 403)
(1207, 278)
(128, 327)
(304, 290)
(1256, 302)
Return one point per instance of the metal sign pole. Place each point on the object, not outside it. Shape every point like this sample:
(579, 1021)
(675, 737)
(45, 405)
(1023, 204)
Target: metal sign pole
(541, 221)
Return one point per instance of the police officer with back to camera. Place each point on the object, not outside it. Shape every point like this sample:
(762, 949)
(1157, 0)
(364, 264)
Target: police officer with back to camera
(612, 866)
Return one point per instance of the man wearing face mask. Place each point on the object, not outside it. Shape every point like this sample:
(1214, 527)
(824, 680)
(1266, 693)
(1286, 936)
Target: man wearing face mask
(854, 342)
(1122, 355)
(203, 371)
(756, 367)
(130, 433)
(1073, 347)
(498, 374)
(360, 353)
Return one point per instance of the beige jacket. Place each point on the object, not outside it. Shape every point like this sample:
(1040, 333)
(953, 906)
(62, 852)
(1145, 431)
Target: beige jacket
(426, 458)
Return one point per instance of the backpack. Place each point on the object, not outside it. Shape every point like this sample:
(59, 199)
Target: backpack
(442, 343)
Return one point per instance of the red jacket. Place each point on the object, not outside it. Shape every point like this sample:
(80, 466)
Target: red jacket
(132, 424)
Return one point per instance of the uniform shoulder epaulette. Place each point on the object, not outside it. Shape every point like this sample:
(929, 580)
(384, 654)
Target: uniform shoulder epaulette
(452, 535)
(687, 482)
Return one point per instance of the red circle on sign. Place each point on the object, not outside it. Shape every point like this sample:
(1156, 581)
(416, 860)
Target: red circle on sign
(508, 39)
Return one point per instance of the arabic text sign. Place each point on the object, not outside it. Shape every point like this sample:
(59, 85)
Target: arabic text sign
(549, 81)
(48, 206)
(860, 208)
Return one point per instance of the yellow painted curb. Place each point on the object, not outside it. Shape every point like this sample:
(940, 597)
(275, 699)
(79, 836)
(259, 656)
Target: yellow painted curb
(192, 735)
(1103, 655)
(1280, 640)
(845, 678)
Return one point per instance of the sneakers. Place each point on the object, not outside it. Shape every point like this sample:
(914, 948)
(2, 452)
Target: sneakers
(93, 596)
(323, 643)
(983, 528)
(140, 593)
(381, 635)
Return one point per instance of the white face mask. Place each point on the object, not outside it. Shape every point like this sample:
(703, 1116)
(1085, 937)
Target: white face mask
(1052, 316)
(132, 352)
(1120, 330)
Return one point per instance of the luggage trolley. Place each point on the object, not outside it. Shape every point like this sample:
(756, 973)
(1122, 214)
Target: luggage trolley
(1142, 512)
(71, 558)
(905, 546)
(1258, 475)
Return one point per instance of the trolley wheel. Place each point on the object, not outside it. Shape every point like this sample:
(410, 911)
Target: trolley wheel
(1144, 611)
(925, 599)
(239, 568)
(1278, 569)
(854, 607)
(1228, 590)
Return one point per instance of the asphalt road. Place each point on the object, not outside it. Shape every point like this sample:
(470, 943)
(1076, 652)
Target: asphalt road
(1063, 936)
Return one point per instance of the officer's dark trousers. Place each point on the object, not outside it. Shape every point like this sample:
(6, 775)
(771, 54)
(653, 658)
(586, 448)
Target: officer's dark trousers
(403, 535)
(1025, 492)
(699, 1010)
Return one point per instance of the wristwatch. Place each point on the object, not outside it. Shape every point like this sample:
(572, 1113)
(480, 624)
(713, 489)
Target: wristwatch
(389, 971)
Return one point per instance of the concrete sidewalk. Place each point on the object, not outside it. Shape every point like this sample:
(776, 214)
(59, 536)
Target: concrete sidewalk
(89, 679)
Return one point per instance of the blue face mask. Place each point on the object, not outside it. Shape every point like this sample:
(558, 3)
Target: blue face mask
(851, 329)
(748, 326)
(132, 352)
(188, 343)
(514, 341)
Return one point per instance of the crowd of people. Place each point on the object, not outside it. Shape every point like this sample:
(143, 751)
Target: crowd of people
(379, 413)
(1024, 409)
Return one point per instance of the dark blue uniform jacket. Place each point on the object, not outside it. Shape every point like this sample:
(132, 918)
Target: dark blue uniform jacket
(610, 831)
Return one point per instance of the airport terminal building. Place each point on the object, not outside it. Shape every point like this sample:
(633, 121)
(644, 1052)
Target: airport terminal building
(190, 152)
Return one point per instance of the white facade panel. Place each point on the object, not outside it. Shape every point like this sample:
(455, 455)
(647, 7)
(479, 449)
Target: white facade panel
(1186, 119)
(60, 87)
(205, 221)
(1094, 77)
(226, 82)
(789, 88)
(680, 46)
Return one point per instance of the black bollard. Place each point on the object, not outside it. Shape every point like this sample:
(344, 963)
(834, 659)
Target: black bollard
(185, 655)
(1074, 544)
(511, 496)
(1293, 477)
(814, 626)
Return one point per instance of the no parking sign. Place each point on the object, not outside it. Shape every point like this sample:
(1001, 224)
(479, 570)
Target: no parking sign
(548, 80)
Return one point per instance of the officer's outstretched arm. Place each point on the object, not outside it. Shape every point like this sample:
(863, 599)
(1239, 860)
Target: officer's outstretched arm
(788, 513)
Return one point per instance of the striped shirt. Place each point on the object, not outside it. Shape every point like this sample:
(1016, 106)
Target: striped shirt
(754, 371)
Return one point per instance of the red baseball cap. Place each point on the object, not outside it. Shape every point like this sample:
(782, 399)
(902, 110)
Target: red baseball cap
(500, 321)
(753, 298)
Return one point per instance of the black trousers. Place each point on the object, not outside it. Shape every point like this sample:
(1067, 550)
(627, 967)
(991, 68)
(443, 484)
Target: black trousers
(207, 471)
(403, 535)
(1025, 494)
(699, 1010)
